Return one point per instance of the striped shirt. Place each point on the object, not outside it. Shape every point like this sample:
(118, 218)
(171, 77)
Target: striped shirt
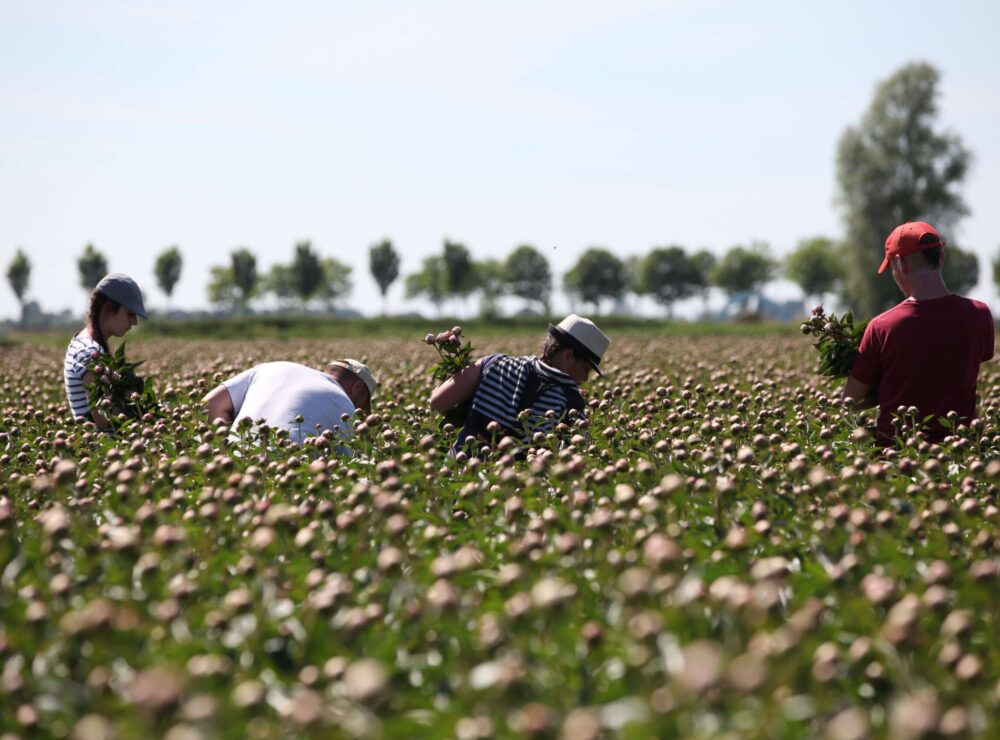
(79, 356)
(509, 385)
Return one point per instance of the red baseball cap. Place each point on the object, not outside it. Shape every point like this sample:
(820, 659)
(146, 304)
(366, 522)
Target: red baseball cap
(914, 236)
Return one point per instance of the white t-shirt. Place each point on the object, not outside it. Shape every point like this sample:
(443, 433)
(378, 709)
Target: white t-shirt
(280, 391)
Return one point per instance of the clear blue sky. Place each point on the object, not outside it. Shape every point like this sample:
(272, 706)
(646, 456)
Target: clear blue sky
(137, 125)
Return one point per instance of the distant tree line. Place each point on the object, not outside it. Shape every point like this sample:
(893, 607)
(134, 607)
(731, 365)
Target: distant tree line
(894, 166)
(599, 281)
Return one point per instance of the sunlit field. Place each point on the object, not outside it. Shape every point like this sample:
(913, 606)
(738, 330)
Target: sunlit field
(720, 548)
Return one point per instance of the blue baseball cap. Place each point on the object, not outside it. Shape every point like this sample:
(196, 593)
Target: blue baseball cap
(123, 289)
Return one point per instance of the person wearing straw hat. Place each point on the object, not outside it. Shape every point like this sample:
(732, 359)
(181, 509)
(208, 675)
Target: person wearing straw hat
(926, 351)
(516, 396)
(294, 397)
(116, 306)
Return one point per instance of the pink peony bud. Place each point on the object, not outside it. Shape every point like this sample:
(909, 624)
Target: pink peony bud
(457, 331)
(442, 337)
(98, 369)
(429, 339)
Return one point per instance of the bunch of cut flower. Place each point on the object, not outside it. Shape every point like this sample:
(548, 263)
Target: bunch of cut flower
(837, 341)
(454, 357)
(118, 389)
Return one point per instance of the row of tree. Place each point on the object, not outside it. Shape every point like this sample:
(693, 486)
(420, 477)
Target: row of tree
(306, 280)
(892, 167)
(666, 275)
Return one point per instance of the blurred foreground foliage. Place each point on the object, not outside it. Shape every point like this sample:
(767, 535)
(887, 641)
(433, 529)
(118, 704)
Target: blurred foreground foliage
(719, 550)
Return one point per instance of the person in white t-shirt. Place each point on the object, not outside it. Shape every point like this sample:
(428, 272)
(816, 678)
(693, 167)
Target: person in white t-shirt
(300, 399)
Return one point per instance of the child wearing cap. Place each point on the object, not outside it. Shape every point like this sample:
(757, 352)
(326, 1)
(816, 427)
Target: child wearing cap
(115, 306)
(522, 395)
(291, 396)
(926, 351)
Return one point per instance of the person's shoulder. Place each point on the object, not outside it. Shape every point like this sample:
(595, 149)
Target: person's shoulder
(968, 308)
(282, 367)
(83, 340)
(83, 345)
(978, 306)
(892, 315)
(498, 359)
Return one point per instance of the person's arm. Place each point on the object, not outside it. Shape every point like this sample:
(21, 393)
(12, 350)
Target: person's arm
(219, 404)
(457, 389)
(988, 336)
(864, 376)
(96, 416)
(858, 393)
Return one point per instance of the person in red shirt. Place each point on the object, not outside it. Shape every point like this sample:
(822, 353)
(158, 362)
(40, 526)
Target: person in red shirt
(926, 351)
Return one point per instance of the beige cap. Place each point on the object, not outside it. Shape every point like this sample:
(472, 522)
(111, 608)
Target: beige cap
(361, 370)
(583, 336)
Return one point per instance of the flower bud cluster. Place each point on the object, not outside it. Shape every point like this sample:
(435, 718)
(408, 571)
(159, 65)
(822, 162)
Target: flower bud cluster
(837, 340)
(822, 324)
(445, 339)
(455, 356)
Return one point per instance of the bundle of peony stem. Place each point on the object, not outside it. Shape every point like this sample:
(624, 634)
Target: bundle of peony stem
(118, 389)
(455, 356)
(837, 341)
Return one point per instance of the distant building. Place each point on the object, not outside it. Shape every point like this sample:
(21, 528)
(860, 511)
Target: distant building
(754, 305)
(33, 317)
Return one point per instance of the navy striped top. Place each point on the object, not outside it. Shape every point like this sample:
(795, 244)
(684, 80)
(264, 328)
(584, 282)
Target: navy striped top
(80, 355)
(509, 385)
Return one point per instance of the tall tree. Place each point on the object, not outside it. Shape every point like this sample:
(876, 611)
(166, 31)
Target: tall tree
(18, 274)
(491, 276)
(703, 262)
(336, 284)
(431, 281)
(996, 269)
(529, 276)
(307, 272)
(243, 265)
(598, 274)
(92, 266)
(383, 261)
(669, 275)
(742, 269)
(459, 270)
(280, 282)
(891, 168)
(960, 269)
(815, 265)
(221, 288)
(168, 269)
(633, 284)
(232, 286)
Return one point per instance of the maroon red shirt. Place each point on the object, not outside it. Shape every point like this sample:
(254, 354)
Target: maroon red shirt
(926, 354)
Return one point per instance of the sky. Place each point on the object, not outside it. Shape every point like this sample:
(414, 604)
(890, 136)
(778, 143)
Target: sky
(136, 125)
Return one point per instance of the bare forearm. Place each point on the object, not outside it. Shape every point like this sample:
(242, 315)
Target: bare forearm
(100, 419)
(219, 404)
(858, 394)
(455, 390)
